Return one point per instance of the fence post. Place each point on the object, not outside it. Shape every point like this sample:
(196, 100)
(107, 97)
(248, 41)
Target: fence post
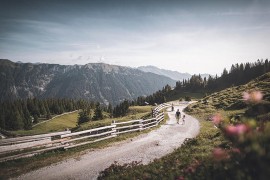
(141, 124)
(163, 116)
(114, 128)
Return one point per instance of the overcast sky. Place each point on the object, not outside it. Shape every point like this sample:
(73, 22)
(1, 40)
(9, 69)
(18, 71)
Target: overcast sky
(200, 36)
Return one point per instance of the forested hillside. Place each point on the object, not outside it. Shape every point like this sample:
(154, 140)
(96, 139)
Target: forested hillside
(239, 74)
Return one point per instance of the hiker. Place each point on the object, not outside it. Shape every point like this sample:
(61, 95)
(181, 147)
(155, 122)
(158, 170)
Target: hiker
(172, 108)
(178, 116)
(183, 119)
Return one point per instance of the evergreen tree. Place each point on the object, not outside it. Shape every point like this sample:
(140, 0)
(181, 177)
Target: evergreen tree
(83, 117)
(121, 109)
(98, 112)
(35, 119)
(27, 118)
(17, 122)
(110, 109)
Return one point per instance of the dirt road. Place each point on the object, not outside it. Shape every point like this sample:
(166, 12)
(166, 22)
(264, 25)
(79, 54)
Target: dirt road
(144, 148)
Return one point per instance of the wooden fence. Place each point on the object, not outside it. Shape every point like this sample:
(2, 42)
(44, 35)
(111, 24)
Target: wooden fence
(21, 147)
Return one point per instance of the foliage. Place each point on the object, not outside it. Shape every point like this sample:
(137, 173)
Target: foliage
(187, 98)
(157, 97)
(84, 116)
(121, 109)
(98, 112)
(247, 156)
(239, 74)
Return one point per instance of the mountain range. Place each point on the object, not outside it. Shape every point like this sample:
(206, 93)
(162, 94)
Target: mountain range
(94, 81)
(178, 76)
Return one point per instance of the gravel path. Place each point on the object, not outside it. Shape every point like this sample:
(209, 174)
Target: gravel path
(144, 148)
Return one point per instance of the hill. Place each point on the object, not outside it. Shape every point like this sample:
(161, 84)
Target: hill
(232, 98)
(94, 81)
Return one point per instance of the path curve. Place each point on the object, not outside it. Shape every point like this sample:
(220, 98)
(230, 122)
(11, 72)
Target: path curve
(144, 148)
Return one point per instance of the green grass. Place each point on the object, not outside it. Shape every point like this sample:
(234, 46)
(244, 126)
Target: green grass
(70, 121)
(58, 124)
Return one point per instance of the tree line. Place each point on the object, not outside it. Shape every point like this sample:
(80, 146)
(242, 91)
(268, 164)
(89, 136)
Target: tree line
(238, 74)
(23, 113)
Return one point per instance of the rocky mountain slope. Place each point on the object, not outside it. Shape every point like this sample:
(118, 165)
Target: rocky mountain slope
(95, 81)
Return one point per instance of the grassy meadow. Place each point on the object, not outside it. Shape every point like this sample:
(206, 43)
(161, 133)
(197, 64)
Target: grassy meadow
(70, 121)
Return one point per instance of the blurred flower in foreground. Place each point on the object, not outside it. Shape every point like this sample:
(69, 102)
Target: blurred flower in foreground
(192, 167)
(181, 178)
(236, 130)
(236, 150)
(217, 118)
(254, 96)
(220, 154)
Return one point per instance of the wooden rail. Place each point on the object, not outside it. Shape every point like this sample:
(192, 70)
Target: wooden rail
(67, 140)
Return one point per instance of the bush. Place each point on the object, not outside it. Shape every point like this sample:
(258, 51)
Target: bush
(187, 98)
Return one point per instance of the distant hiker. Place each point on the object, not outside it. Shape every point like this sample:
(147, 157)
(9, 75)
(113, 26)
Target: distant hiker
(184, 116)
(172, 108)
(178, 115)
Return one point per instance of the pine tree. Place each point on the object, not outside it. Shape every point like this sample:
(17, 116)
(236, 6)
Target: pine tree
(98, 112)
(2, 121)
(27, 120)
(35, 119)
(83, 117)
(17, 120)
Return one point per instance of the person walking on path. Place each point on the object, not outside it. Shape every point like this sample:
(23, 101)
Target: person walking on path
(172, 107)
(183, 119)
(178, 116)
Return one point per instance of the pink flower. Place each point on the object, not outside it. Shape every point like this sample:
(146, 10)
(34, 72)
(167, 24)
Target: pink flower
(217, 118)
(220, 154)
(241, 128)
(236, 130)
(236, 150)
(254, 96)
(246, 96)
(231, 130)
(181, 178)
